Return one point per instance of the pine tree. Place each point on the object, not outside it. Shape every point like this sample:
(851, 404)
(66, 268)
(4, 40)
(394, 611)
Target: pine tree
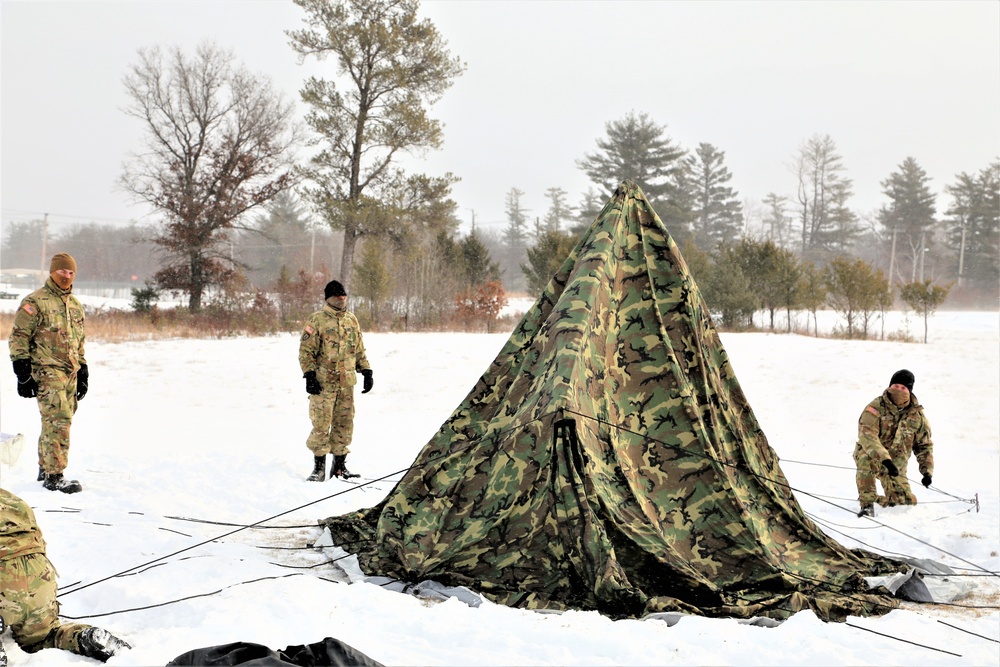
(973, 225)
(394, 66)
(637, 149)
(716, 213)
(822, 194)
(908, 218)
(558, 209)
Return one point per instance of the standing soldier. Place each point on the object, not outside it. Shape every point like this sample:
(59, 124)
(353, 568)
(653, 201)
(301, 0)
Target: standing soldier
(891, 428)
(46, 348)
(331, 352)
(28, 603)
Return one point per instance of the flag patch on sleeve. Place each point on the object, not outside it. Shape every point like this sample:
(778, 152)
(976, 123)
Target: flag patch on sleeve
(28, 308)
(872, 410)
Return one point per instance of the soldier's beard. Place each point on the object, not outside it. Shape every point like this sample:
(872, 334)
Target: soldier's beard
(900, 398)
(64, 283)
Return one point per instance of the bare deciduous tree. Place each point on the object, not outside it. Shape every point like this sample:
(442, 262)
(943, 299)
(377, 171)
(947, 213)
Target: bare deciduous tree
(219, 142)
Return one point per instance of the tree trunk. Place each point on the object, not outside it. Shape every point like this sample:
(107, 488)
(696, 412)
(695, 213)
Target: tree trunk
(347, 256)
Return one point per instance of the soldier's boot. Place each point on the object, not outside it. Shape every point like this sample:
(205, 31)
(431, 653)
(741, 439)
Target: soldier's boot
(3, 653)
(41, 475)
(867, 510)
(319, 469)
(339, 468)
(56, 482)
(99, 644)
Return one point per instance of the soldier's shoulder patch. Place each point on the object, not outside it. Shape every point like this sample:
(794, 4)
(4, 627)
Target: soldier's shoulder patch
(872, 410)
(29, 308)
(309, 330)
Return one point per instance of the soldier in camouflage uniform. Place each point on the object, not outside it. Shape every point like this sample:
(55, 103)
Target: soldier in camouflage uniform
(331, 352)
(28, 603)
(891, 428)
(46, 348)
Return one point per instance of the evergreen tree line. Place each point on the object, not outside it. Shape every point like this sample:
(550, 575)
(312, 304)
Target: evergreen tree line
(906, 238)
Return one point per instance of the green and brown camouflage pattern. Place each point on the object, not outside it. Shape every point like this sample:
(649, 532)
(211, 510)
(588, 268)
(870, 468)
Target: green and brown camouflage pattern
(608, 459)
(886, 431)
(28, 587)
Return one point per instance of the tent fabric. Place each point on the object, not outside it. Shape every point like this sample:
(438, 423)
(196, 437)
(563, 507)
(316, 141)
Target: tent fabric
(608, 459)
(330, 651)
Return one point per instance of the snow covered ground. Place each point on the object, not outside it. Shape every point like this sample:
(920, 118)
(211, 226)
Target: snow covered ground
(181, 442)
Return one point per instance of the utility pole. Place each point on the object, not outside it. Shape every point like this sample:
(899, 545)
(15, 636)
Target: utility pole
(45, 240)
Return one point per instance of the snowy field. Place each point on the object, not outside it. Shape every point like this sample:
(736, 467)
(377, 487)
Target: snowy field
(181, 442)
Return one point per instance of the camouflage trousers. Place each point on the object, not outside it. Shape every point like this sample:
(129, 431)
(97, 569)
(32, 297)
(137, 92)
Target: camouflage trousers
(332, 415)
(896, 490)
(57, 404)
(28, 605)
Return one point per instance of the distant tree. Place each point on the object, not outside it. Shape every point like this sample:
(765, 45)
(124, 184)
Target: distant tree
(281, 236)
(636, 148)
(698, 261)
(110, 252)
(812, 293)
(393, 66)
(144, 299)
(775, 279)
(973, 229)
(728, 291)
(481, 303)
(558, 210)
(587, 211)
(855, 289)
(924, 297)
(545, 258)
(298, 296)
(777, 223)
(22, 246)
(373, 282)
(822, 193)
(515, 236)
(218, 144)
(716, 214)
(908, 218)
(474, 260)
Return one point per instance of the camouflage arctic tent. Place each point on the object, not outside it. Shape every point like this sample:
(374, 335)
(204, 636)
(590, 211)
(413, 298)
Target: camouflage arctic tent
(608, 460)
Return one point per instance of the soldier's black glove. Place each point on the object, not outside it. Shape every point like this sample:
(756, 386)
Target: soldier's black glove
(312, 384)
(890, 468)
(926, 481)
(82, 382)
(26, 385)
(369, 382)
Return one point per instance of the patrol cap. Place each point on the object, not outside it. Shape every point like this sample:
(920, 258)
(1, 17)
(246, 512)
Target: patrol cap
(62, 260)
(903, 377)
(334, 288)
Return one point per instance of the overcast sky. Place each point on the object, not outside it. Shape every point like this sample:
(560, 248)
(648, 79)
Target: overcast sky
(886, 80)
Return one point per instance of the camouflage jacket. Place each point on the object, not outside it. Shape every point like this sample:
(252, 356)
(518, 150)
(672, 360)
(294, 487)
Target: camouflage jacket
(19, 532)
(48, 329)
(331, 345)
(888, 432)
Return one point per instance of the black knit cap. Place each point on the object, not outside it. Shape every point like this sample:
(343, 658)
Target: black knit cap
(334, 288)
(903, 377)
